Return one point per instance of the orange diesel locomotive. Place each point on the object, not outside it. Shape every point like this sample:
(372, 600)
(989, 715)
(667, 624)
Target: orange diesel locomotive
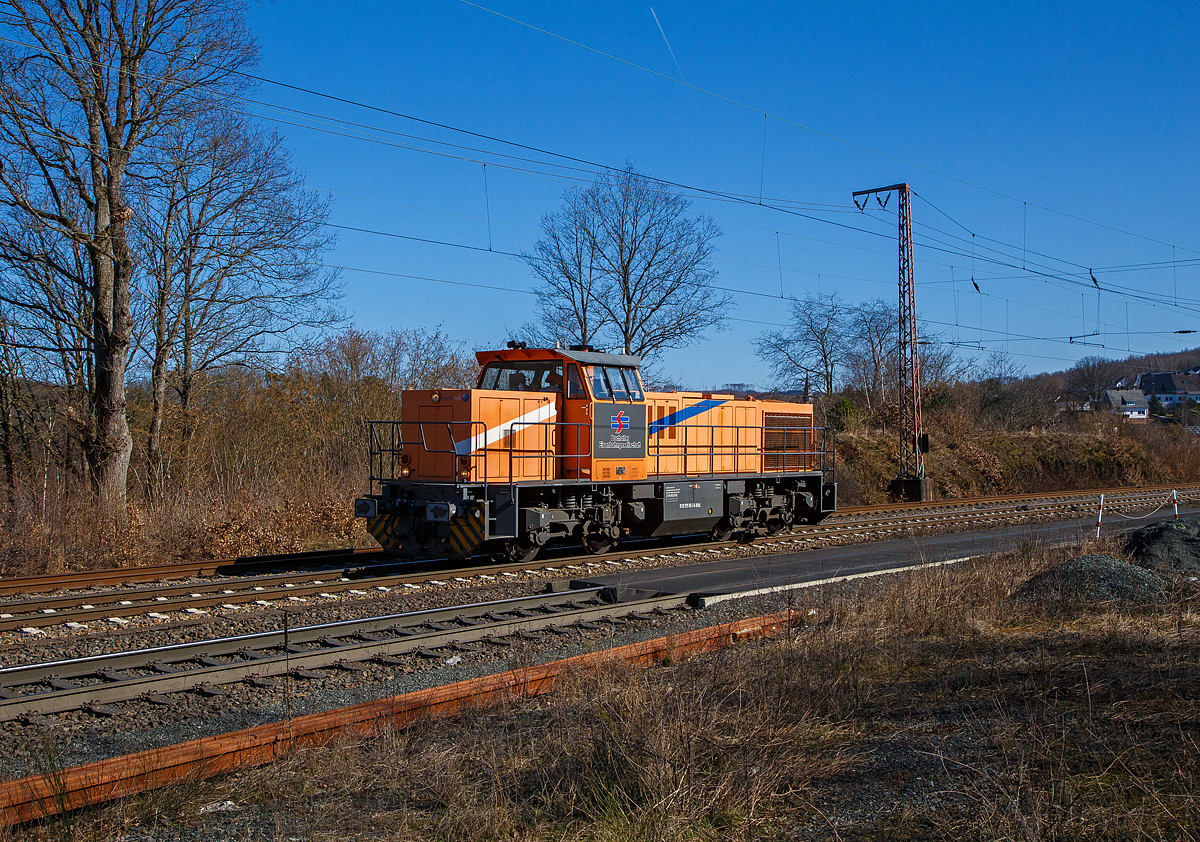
(565, 445)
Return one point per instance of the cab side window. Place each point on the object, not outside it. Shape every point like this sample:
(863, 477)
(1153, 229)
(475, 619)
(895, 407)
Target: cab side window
(574, 383)
(489, 377)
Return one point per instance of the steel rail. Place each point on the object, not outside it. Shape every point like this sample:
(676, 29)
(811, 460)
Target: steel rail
(40, 613)
(177, 570)
(47, 611)
(1085, 494)
(190, 650)
(559, 610)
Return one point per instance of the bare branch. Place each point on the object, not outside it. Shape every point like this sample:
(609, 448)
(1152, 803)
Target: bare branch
(623, 263)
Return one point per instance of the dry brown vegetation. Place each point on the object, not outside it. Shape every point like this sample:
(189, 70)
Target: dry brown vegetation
(1078, 454)
(258, 462)
(927, 706)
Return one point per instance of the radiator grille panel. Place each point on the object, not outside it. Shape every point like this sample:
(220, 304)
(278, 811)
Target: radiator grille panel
(788, 442)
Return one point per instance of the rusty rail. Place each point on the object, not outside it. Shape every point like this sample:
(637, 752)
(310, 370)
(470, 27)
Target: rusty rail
(182, 570)
(41, 796)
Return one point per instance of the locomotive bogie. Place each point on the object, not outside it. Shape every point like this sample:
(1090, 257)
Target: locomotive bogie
(460, 520)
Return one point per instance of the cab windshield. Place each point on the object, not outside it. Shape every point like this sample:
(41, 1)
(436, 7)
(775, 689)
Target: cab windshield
(532, 376)
(611, 382)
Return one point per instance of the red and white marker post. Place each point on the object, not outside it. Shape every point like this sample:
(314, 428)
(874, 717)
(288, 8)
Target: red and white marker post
(1175, 500)
(1099, 515)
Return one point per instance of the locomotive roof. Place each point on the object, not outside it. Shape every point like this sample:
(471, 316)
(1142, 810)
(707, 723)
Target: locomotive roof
(598, 358)
(585, 357)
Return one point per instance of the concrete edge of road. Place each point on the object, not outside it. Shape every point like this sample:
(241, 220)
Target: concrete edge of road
(700, 600)
(709, 600)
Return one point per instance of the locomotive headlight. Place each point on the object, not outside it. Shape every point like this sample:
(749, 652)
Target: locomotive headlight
(435, 397)
(404, 472)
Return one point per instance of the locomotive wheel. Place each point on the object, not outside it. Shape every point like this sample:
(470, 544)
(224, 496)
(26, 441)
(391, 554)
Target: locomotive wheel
(597, 541)
(598, 544)
(721, 532)
(516, 551)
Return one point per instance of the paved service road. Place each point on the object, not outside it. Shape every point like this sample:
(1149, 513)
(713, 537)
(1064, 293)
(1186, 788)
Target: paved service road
(756, 573)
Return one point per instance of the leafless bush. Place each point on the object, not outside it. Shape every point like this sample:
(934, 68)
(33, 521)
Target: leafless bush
(257, 462)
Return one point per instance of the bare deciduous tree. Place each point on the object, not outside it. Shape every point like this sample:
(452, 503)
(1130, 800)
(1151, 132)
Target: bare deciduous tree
(231, 247)
(416, 358)
(1092, 375)
(47, 290)
(84, 89)
(10, 382)
(623, 261)
(813, 346)
(566, 261)
(940, 364)
(871, 350)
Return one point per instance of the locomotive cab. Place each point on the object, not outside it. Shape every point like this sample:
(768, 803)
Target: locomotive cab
(584, 386)
(566, 444)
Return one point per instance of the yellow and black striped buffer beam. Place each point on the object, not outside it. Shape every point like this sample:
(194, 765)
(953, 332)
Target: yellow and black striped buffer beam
(467, 531)
(383, 529)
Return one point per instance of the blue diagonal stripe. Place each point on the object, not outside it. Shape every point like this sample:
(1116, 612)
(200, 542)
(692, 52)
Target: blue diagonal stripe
(682, 415)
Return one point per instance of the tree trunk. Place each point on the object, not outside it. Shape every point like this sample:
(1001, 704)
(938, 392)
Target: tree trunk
(7, 443)
(158, 389)
(158, 394)
(110, 445)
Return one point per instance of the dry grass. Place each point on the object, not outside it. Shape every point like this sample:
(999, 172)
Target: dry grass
(982, 463)
(924, 706)
(65, 530)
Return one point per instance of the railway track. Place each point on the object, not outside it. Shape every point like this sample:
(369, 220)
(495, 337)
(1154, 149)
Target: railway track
(94, 683)
(186, 569)
(372, 572)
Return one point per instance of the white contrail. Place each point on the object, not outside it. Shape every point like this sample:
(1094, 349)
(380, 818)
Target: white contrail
(669, 50)
(688, 84)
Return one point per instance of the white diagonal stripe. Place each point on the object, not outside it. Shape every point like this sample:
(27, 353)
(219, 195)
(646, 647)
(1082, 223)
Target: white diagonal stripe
(543, 413)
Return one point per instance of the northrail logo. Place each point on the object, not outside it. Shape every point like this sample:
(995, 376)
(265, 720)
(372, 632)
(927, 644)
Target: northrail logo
(619, 421)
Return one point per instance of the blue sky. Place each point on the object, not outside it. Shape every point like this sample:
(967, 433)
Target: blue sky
(1014, 122)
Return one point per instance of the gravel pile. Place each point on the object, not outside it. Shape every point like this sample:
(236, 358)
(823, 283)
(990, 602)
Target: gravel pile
(1094, 578)
(1168, 546)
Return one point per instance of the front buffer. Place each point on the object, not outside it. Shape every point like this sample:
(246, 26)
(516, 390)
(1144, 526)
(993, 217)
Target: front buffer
(426, 521)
